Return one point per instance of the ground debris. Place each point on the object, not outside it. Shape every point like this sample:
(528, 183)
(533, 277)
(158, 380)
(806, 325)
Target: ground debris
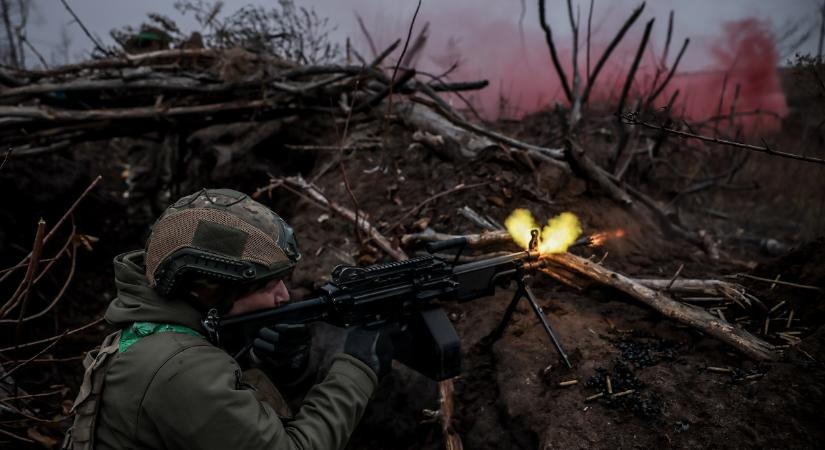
(630, 393)
(643, 349)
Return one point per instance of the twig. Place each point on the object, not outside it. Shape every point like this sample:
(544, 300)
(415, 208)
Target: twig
(383, 55)
(6, 158)
(57, 297)
(367, 35)
(14, 299)
(589, 19)
(631, 74)
(14, 436)
(617, 151)
(45, 360)
(632, 119)
(97, 44)
(47, 348)
(548, 36)
(591, 81)
(34, 50)
(60, 222)
(658, 90)
(417, 207)
(298, 185)
(576, 103)
(12, 47)
(675, 276)
(53, 338)
(406, 43)
(34, 260)
(784, 283)
(27, 396)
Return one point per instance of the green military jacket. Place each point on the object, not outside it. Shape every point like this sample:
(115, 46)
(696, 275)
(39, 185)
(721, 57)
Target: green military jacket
(175, 390)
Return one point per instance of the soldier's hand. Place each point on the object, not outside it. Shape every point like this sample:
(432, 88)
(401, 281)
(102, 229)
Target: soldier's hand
(373, 347)
(284, 348)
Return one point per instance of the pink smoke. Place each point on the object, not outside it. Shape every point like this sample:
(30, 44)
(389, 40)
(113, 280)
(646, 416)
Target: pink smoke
(522, 79)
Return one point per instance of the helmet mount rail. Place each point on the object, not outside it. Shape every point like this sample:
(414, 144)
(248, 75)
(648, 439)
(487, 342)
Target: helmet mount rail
(188, 262)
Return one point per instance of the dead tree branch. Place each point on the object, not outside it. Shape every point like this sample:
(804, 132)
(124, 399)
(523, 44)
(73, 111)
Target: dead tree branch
(298, 185)
(576, 103)
(591, 81)
(548, 36)
(658, 90)
(633, 119)
(689, 315)
(624, 136)
(59, 223)
(54, 338)
(86, 31)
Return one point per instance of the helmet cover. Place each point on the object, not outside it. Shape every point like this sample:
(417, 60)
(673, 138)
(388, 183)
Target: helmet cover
(220, 234)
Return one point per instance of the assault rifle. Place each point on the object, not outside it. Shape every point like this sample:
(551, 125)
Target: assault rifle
(408, 293)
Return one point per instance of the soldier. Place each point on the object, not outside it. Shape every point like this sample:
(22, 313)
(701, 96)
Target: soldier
(159, 382)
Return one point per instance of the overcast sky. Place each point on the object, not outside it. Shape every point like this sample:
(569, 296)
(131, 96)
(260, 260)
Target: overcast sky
(702, 20)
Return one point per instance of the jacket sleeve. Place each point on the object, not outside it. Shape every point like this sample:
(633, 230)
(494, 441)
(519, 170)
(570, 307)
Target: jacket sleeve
(196, 401)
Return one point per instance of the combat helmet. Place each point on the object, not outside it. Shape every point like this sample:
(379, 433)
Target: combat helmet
(221, 235)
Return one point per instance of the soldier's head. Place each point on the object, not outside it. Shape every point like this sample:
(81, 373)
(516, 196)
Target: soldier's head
(220, 249)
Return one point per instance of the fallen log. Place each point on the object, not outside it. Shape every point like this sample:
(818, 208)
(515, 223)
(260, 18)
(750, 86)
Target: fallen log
(689, 315)
(550, 156)
(459, 144)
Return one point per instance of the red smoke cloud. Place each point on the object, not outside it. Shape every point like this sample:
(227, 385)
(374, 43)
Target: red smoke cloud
(522, 79)
(747, 57)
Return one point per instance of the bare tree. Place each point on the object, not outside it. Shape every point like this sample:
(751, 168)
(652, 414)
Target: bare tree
(15, 16)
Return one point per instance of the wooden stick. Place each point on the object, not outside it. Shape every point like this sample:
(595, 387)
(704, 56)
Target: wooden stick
(711, 287)
(594, 173)
(54, 338)
(633, 120)
(34, 260)
(297, 183)
(452, 441)
(59, 222)
(783, 283)
(694, 317)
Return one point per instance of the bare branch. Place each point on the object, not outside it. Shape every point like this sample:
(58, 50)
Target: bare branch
(631, 74)
(548, 36)
(575, 110)
(591, 81)
(658, 90)
(367, 35)
(632, 119)
(9, 35)
(97, 44)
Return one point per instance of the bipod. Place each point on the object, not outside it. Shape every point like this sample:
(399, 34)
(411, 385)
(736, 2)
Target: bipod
(524, 291)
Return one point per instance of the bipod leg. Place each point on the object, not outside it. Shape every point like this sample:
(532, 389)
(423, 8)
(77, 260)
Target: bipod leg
(505, 319)
(528, 293)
